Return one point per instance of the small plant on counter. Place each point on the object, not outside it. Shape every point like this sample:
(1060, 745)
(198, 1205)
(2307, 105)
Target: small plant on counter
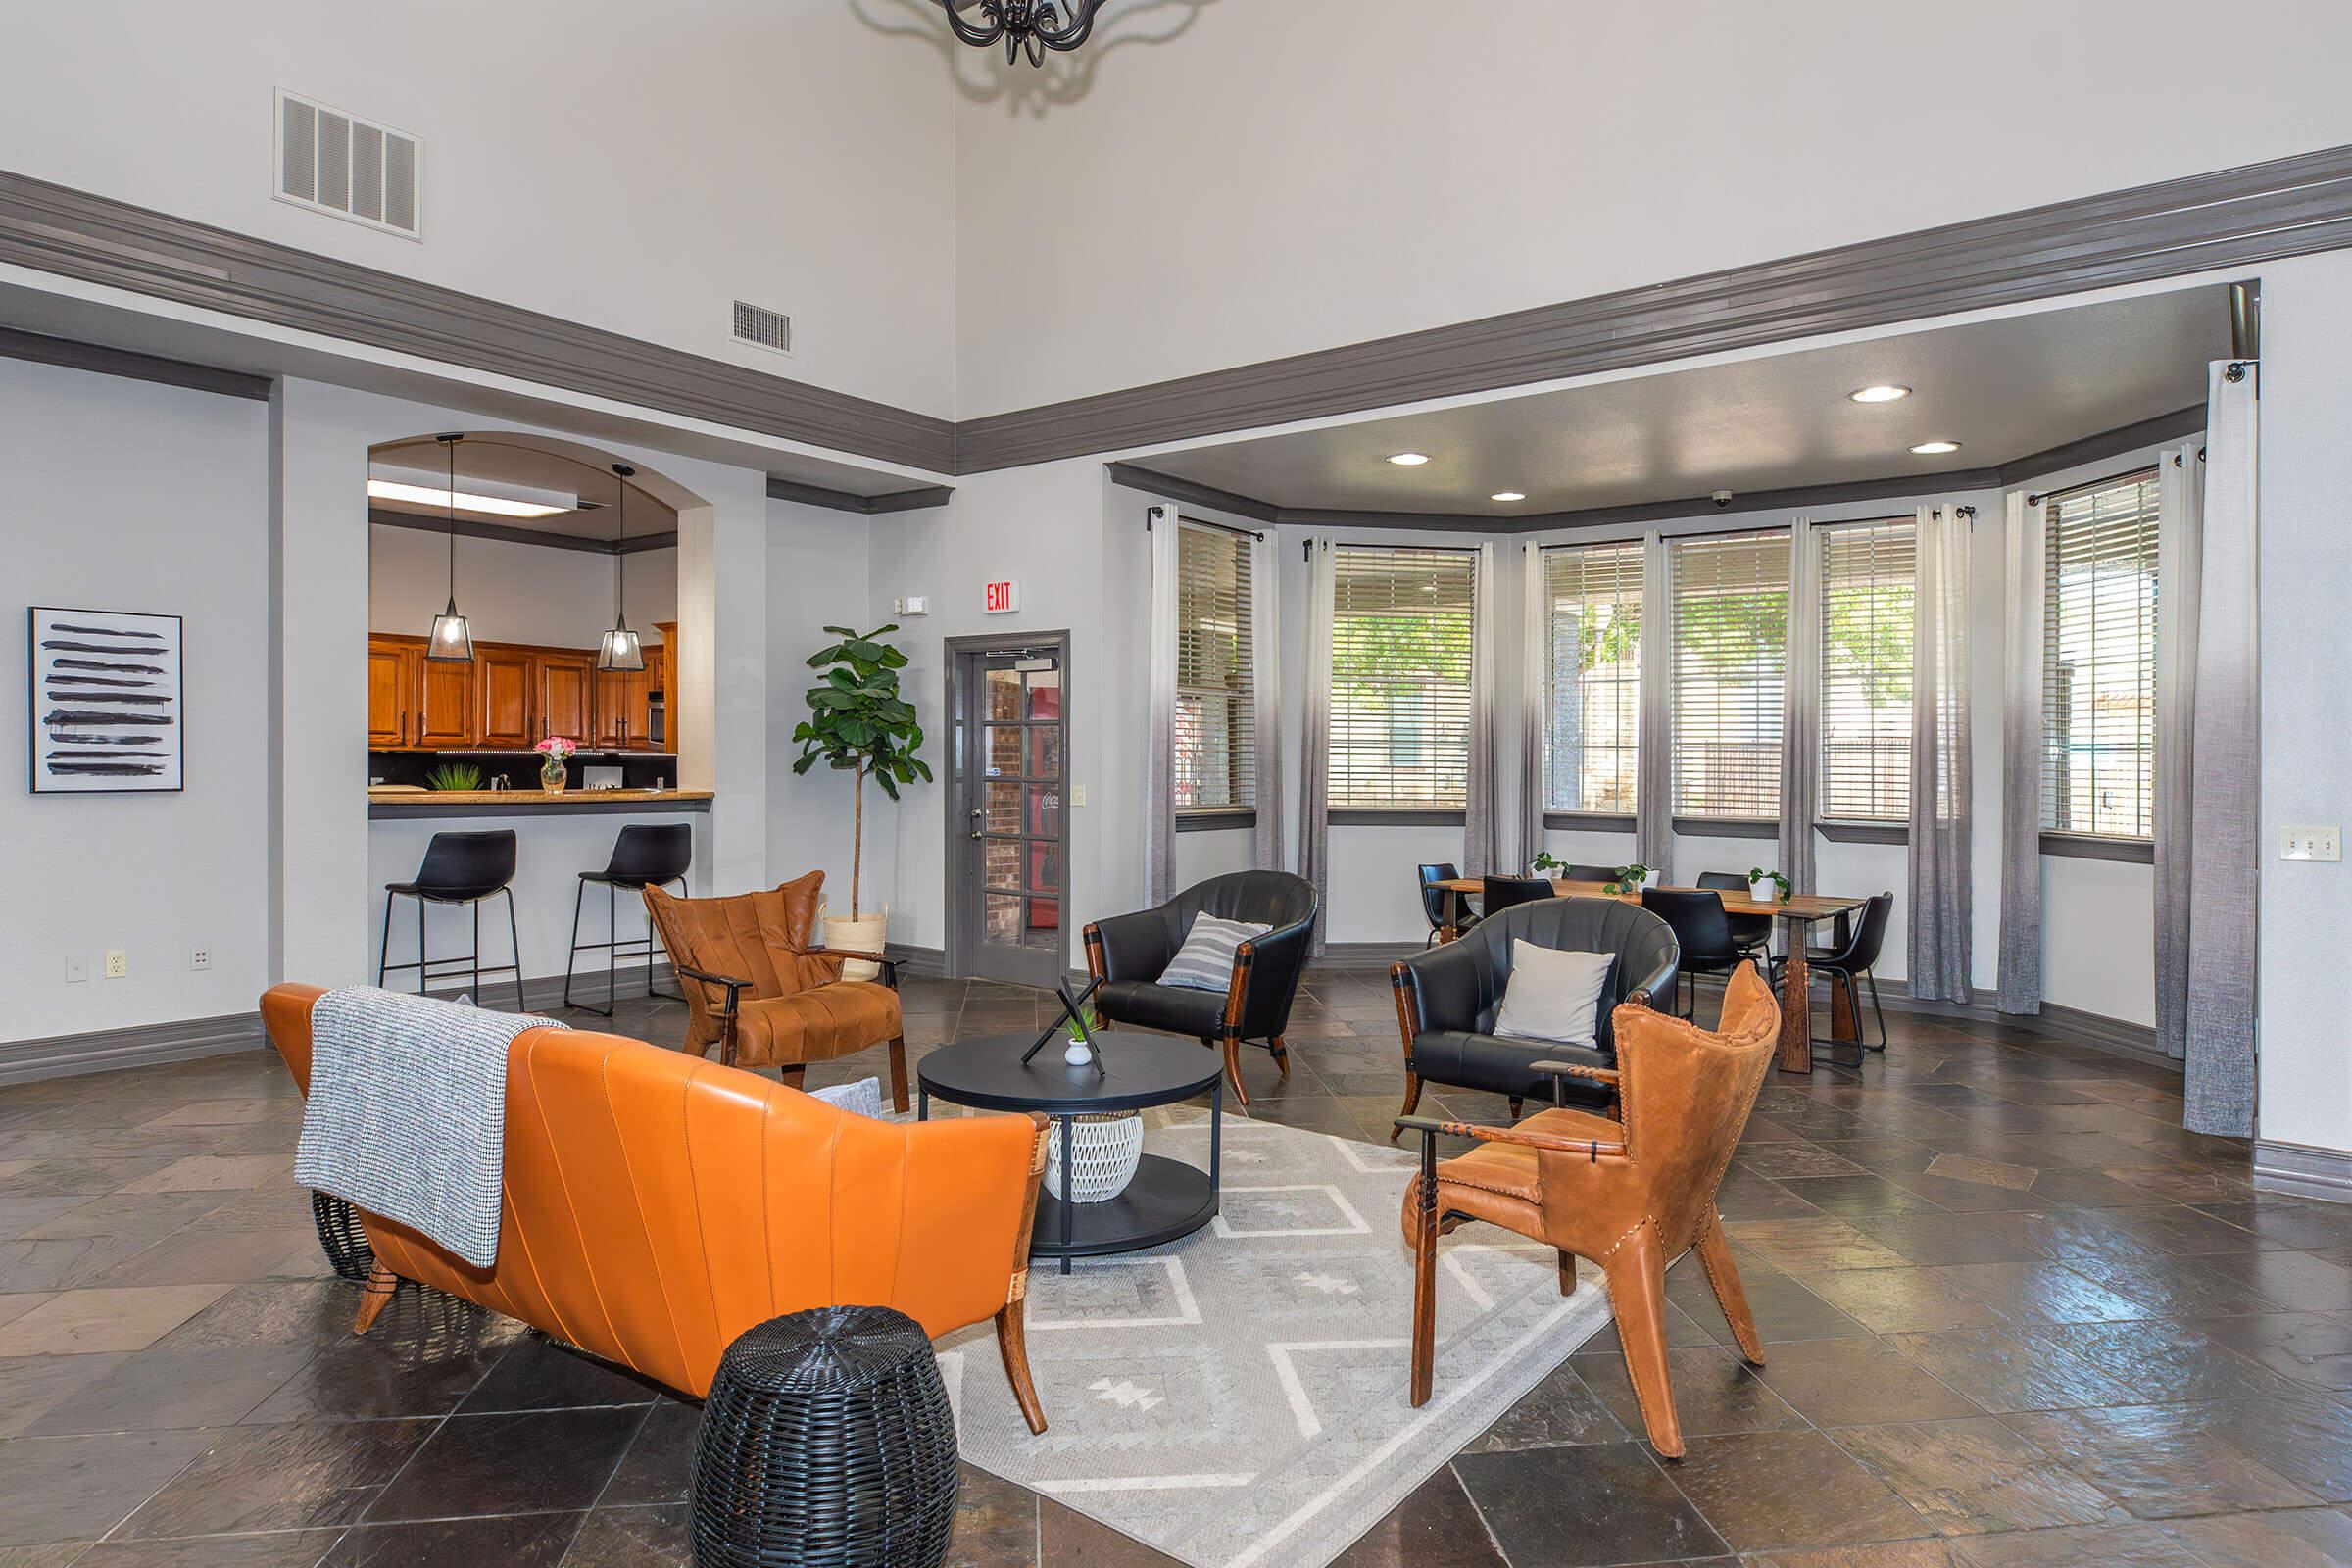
(1629, 879)
(1780, 883)
(553, 751)
(454, 777)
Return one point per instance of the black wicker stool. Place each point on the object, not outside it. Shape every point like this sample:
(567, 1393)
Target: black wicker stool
(826, 1440)
(339, 1234)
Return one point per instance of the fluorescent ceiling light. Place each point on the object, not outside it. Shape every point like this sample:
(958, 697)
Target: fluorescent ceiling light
(1409, 460)
(1508, 495)
(423, 495)
(1879, 393)
(1936, 449)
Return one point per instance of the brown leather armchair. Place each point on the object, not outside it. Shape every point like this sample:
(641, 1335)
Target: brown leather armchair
(755, 988)
(1631, 1195)
(657, 1206)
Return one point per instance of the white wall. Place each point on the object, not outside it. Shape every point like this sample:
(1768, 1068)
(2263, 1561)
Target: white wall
(633, 169)
(816, 577)
(513, 593)
(129, 496)
(1287, 177)
(2306, 581)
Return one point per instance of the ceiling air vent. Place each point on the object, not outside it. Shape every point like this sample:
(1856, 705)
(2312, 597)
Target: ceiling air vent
(331, 162)
(762, 328)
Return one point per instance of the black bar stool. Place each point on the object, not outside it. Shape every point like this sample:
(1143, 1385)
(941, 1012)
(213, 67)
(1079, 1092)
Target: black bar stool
(459, 868)
(644, 856)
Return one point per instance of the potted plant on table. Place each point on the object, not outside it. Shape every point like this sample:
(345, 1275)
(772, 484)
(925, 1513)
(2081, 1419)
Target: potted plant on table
(1780, 883)
(1629, 878)
(553, 751)
(859, 725)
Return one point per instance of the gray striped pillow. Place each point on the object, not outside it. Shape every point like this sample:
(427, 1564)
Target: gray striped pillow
(1205, 961)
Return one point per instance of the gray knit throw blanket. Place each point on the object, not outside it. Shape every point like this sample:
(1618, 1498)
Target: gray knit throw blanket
(408, 1112)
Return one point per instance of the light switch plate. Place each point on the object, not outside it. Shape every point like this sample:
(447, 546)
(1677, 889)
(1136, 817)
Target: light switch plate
(2310, 843)
(1077, 794)
(78, 967)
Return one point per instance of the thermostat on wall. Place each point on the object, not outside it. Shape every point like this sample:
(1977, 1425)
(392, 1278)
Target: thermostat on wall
(911, 605)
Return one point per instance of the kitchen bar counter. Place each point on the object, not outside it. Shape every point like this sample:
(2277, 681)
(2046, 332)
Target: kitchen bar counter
(391, 804)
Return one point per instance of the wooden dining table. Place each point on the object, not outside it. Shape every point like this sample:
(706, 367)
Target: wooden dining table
(1799, 914)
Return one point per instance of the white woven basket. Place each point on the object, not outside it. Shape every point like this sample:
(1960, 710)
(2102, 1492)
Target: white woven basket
(1103, 1152)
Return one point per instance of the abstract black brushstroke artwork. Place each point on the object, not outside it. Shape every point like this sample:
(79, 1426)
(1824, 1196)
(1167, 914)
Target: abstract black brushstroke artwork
(105, 701)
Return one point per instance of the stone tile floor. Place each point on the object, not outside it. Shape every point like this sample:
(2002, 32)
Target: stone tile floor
(2017, 1316)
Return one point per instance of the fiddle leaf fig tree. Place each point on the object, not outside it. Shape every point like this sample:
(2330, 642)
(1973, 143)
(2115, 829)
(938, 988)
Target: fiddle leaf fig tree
(857, 723)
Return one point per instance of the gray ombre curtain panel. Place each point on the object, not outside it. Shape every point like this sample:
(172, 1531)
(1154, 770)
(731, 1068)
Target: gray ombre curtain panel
(2180, 549)
(1486, 836)
(2223, 781)
(1942, 906)
(1801, 708)
(2022, 540)
(1314, 737)
(1159, 714)
(1266, 692)
(1535, 630)
(1654, 780)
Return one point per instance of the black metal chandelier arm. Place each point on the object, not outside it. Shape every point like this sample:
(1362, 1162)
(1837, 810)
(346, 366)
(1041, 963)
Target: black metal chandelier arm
(978, 36)
(1082, 23)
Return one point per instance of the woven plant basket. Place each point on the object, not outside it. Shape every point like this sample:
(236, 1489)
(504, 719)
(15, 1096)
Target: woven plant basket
(827, 1441)
(1103, 1154)
(340, 1237)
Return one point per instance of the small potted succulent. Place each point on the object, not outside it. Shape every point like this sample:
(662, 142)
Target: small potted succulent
(1629, 878)
(553, 751)
(1780, 883)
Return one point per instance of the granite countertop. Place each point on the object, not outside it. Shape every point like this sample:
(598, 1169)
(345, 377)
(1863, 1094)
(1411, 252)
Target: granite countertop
(391, 804)
(381, 792)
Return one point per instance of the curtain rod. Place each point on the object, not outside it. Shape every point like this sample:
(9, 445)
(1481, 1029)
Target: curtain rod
(1203, 522)
(2036, 497)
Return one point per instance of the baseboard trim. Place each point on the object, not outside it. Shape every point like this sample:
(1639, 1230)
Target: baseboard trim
(24, 1061)
(2299, 1170)
(923, 963)
(1364, 954)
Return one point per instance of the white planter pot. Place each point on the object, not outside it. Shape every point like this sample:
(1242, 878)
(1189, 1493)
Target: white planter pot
(1105, 1152)
(864, 935)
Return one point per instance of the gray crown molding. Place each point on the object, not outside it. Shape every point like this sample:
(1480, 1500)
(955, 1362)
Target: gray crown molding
(2235, 216)
(2106, 444)
(817, 495)
(1134, 476)
(74, 354)
(51, 229)
(506, 533)
(136, 1046)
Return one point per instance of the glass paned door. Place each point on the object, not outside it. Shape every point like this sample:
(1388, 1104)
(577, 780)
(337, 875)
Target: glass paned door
(1009, 745)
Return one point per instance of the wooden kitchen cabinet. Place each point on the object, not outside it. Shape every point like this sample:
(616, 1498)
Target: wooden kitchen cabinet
(565, 695)
(505, 680)
(620, 717)
(445, 703)
(391, 691)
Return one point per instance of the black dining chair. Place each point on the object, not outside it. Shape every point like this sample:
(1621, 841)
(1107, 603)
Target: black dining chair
(1702, 931)
(645, 854)
(1752, 932)
(1590, 874)
(1858, 960)
(1500, 893)
(1442, 905)
(459, 868)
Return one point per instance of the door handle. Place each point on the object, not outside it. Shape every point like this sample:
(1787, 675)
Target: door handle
(977, 833)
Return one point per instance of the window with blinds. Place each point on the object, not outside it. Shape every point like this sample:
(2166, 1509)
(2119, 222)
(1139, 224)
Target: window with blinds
(1592, 677)
(1866, 641)
(1731, 642)
(2099, 685)
(1400, 656)
(1216, 707)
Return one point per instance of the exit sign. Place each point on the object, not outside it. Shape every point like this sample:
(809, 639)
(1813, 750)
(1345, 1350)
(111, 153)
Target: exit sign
(1000, 598)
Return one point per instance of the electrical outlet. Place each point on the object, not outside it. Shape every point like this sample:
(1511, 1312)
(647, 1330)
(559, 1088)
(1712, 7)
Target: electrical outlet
(2310, 843)
(199, 956)
(117, 963)
(78, 967)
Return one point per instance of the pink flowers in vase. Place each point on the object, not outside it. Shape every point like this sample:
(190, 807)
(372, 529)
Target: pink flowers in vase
(553, 751)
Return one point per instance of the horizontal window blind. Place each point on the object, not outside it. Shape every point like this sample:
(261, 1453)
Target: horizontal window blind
(2099, 659)
(1593, 677)
(1400, 656)
(1731, 640)
(1216, 699)
(1867, 590)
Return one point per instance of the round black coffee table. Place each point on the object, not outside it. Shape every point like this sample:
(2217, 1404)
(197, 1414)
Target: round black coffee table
(1167, 1198)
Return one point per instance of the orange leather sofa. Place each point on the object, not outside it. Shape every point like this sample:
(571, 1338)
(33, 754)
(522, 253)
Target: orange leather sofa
(657, 1205)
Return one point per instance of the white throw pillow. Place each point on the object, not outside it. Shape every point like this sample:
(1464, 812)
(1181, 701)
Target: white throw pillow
(1205, 961)
(1554, 994)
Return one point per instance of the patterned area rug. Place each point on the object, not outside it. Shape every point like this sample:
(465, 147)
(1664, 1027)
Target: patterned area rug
(1239, 1397)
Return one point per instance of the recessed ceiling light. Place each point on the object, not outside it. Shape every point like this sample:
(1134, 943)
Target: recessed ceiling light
(1508, 495)
(1936, 449)
(1409, 460)
(1879, 393)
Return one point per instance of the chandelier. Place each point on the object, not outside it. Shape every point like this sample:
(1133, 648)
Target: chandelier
(1031, 26)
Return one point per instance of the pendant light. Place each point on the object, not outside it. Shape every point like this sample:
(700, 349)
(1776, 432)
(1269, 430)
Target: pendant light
(452, 641)
(619, 649)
